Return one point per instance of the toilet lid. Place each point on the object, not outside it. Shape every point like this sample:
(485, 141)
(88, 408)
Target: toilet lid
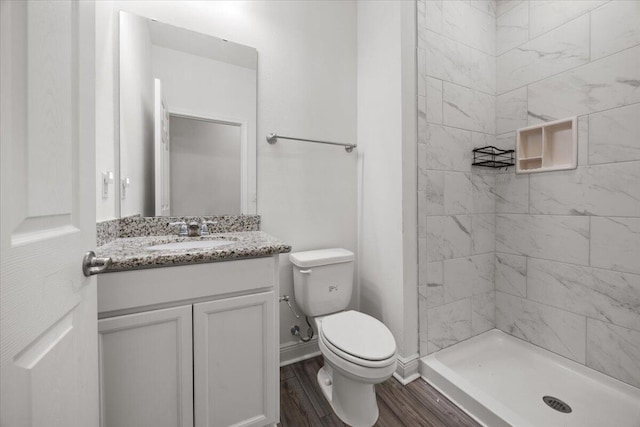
(359, 335)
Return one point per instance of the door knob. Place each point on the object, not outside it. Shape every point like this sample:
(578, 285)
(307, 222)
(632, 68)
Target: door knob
(91, 264)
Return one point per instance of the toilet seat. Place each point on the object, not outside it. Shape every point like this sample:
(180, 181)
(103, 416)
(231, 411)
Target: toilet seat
(358, 338)
(364, 363)
(354, 368)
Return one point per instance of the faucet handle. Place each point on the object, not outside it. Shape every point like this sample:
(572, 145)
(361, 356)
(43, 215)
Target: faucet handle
(183, 227)
(204, 229)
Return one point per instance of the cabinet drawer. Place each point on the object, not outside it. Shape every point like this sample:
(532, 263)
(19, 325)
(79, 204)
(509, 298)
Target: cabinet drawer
(139, 288)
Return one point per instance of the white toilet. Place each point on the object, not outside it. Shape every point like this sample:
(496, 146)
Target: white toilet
(359, 351)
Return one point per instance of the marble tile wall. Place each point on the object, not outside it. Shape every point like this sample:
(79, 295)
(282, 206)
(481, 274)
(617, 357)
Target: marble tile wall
(457, 222)
(567, 270)
(551, 258)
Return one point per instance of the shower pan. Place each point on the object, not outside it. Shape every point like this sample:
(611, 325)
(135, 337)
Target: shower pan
(501, 381)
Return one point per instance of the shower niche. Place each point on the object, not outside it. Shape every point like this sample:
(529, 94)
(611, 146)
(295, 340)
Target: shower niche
(547, 147)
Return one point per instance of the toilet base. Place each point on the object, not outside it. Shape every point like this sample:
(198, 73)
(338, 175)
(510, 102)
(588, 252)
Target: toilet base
(354, 402)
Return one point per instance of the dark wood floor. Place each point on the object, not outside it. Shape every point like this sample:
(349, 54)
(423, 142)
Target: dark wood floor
(417, 404)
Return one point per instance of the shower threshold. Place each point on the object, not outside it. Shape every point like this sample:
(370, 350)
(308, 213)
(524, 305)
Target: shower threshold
(502, 381)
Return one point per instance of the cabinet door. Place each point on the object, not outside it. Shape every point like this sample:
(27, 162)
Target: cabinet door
(235, 360)
(146, 369)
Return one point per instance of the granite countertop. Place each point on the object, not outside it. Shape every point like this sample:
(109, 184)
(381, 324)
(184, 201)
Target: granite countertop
(132, 253)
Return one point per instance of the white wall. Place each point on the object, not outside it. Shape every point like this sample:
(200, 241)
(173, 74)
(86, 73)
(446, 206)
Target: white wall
(307, 193)
(381, 135)
(204, 86)
(409, 88)
(106, 119)
(136, 116)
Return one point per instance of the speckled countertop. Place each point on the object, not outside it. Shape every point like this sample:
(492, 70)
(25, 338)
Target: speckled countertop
(132, 253)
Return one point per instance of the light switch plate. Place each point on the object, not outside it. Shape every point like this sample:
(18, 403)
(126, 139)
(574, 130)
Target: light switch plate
(107, 179)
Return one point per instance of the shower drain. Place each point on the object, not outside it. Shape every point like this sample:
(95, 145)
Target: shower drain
(557, 404)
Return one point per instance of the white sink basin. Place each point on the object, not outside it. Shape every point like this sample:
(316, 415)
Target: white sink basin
(197, 244)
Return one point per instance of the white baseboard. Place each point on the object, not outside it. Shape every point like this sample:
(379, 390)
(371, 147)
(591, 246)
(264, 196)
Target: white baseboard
(408, 369)
(292, 353)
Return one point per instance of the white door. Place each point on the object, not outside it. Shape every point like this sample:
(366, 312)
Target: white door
(146, 369)
(162, 152)
(235, 362)
(48, 323)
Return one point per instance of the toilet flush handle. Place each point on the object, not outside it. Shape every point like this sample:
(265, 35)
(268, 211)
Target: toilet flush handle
(305, 271)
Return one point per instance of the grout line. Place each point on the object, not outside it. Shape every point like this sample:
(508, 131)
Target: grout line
(441, 101)
(462, 129)
(480, 10)
(589, 41)
(589, 11)
(569, 69)
(588, 143)
(589, 247)
(528, 105)
(483, 92)
(526, 276)
(529, 194)
(568, 263)
(566, 215)
(551, 351)
(441, 18)
(442, 34)
(555, 307)
(586, 339)
(528, 22)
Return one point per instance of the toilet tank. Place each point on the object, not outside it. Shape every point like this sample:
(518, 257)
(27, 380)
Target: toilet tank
(322, 280)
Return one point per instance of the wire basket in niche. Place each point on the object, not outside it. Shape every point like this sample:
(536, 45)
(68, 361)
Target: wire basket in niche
(493, 157)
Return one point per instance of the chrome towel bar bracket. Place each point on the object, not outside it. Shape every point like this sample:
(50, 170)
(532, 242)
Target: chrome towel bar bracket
(272, 138)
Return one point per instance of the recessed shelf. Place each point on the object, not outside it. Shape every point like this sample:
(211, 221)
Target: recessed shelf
(530, 143)
(547, 147)
(529, 164)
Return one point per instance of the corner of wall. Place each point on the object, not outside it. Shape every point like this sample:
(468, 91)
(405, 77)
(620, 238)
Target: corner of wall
(410, 176)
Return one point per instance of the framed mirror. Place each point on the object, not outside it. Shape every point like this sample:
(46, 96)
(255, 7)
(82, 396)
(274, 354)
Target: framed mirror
(187, 122)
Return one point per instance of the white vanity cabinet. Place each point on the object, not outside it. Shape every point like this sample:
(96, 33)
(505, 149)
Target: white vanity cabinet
(192, 345)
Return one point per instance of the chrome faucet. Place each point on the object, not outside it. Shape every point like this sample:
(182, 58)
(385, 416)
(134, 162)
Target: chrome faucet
(193, 229)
